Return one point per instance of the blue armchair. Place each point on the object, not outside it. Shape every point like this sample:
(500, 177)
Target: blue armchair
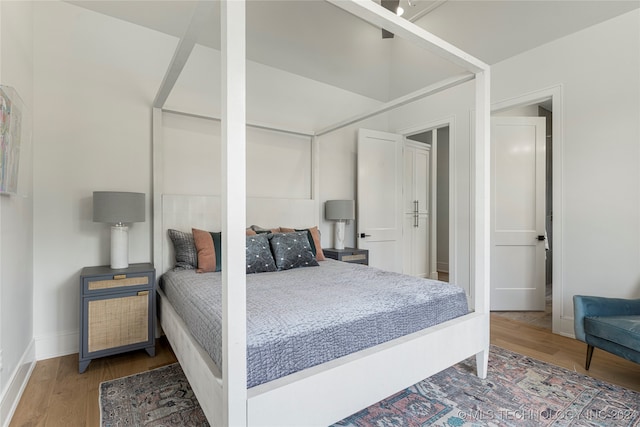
(611, 324)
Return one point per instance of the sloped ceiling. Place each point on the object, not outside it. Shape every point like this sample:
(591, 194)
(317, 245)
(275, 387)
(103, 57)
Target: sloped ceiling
(316, 40)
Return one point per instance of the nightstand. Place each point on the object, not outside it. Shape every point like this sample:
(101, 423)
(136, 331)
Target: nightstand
(356, 256)
(117, 311)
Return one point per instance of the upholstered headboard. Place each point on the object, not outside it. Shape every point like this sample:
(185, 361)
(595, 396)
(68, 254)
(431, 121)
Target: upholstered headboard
(184, 212)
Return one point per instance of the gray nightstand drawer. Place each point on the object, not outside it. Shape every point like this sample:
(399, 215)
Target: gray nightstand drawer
(103, 279)
(122, 281)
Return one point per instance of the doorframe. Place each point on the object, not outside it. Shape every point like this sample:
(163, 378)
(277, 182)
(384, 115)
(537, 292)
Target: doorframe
(562, 323)
(425, 127)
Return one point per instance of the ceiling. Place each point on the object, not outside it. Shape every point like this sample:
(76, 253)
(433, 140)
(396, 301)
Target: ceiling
(319, 41)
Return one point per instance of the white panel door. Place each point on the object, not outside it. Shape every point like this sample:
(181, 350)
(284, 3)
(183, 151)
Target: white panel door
(380, 198)
(416, 249)
(416, 224)
(417, 167)
(517, 213)
(422, 181)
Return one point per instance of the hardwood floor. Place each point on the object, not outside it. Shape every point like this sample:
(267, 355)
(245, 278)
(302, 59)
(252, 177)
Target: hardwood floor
(539, 343)
(58, 396)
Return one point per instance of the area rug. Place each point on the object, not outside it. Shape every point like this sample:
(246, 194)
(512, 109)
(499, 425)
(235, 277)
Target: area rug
(160, 397)
(518, 391)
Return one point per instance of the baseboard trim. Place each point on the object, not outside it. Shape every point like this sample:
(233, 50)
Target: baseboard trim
(19, 379)
(57, 345)
(564, 326)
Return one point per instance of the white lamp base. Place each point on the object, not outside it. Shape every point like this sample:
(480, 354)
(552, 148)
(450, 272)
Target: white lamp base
(119, 246)
(339, 236)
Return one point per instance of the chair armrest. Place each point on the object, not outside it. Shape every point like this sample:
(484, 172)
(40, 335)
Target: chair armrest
(588, 306)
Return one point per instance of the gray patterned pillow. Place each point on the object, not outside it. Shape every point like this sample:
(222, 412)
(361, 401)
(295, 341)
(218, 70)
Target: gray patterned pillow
(185, 250)
(259, 258)
(292, 250)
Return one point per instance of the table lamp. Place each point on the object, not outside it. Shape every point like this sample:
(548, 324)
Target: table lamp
(118, 209)
(340, 211)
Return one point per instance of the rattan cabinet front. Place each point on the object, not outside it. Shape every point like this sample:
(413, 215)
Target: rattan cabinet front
(117, 311)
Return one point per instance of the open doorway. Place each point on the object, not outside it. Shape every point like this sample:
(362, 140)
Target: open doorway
(543, 318)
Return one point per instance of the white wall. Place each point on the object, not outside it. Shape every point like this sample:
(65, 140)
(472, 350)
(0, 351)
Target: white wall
(279, 164)
(17, 352)
(95, 79)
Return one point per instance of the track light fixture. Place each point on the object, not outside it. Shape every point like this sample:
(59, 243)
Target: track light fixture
(394, 6)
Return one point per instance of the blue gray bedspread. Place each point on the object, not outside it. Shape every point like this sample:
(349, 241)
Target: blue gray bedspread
(306, 316)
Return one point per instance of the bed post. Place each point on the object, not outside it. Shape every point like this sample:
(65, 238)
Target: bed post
(158, 185)
(315, 178)
(234, 319)
(481, 239)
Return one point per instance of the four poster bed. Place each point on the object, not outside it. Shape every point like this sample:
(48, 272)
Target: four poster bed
(332, 389)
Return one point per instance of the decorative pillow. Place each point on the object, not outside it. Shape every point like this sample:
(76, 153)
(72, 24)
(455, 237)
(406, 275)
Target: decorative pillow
(314, 240)
(185, 250)
(208, 247)
(250, 232)
(261, 230)
(259, 258)
(292, 250)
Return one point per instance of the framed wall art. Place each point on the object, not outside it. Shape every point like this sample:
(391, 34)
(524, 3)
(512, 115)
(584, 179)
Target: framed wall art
(11, 110)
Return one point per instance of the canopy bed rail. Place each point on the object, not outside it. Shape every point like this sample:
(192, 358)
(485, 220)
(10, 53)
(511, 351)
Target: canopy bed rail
(399, 102)
(333, 390)
(250, 125)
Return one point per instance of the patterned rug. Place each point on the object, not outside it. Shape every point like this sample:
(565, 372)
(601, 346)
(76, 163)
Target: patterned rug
(518, 391)
(161, 397)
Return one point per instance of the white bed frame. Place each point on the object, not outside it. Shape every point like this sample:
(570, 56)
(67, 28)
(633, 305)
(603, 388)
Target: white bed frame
(326, 393)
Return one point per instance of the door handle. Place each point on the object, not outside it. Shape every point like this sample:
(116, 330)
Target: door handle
(541, 238)
(362, 235)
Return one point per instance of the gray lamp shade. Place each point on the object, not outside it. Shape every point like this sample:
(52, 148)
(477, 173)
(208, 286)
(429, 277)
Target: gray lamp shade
(340, 209)
(115, 207)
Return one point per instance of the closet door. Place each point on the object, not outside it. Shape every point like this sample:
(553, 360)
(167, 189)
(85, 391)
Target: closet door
(417, 162)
